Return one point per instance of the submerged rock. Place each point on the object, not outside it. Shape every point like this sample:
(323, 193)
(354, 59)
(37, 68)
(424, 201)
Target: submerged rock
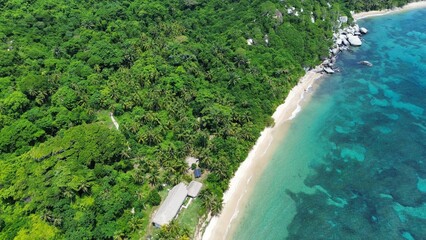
(366, 63)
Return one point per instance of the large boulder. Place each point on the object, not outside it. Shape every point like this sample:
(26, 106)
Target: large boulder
(335, 51)
(350, 30)
(356, 28)
(363, 30)
(328, 70)
(354, 40)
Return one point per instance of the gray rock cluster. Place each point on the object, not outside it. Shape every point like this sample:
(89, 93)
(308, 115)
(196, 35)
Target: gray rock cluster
(343, 39)
(349, 36)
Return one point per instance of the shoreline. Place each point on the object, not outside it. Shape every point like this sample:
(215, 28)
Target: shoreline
(221, 226)
(234, 199)
(409, 6)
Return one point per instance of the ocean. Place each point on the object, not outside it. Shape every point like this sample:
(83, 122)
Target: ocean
(353, 163)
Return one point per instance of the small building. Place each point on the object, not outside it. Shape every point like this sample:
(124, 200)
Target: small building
(197, 173)
(190, 161)
(194, 188)
(171, 205)
(343, 19)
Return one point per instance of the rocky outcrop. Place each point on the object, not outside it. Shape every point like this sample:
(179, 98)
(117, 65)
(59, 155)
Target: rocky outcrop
(350, 36)
(354, 40)
(328, 70)
(343, 39)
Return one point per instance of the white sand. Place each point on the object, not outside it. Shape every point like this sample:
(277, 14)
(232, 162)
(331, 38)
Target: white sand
(220, 227)
(410, 6)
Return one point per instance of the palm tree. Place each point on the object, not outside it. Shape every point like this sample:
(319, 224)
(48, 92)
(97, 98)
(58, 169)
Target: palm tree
(167, 177)
(175, 179)
(57, 221)
(246, 135)
(207, 199)
(216, 206)
(135, 224)
(179, 165)
(228, 130)
(84, 187)
(138, 176)
(119, 235)
(68, 194)
(149, 117)
(47, 216)
(201, 139)
(140, 197)
(150, 138)
(211, 202)
(153, 177)
(154, 138)
(220, 169)
(41, 97)
(134, 127)
(173, 231)
(205, 160)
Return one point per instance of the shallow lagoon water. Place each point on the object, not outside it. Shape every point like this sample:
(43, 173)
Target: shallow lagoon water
(353, 164)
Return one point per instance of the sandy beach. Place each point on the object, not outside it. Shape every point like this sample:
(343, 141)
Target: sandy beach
(222, 226)
(410, 6)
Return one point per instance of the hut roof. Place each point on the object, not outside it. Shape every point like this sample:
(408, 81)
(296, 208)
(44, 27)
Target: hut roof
(194, 188)
(170, 207)
(197, 173)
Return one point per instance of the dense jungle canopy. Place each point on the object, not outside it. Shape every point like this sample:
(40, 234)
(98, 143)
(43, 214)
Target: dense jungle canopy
(181, 81)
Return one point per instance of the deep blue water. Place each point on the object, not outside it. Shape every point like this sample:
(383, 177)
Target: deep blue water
(353, 165)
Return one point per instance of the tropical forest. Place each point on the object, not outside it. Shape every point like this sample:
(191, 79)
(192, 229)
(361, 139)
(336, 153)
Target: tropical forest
(102, 101)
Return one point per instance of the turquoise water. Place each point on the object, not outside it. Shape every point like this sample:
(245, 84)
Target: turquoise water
(353, 165)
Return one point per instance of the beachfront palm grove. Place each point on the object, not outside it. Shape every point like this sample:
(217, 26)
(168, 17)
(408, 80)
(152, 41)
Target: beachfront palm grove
(181, 77)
